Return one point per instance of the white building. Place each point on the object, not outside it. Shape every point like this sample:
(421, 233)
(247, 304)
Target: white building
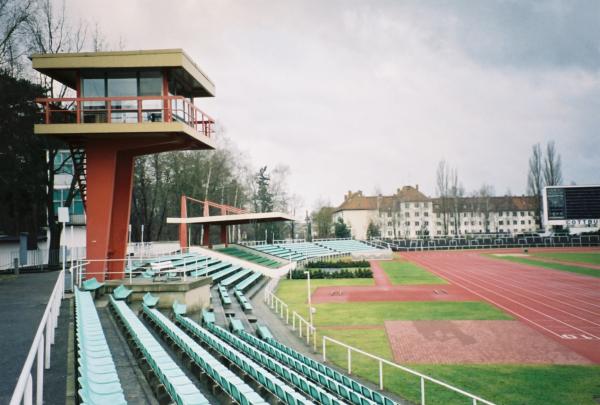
(409, 214)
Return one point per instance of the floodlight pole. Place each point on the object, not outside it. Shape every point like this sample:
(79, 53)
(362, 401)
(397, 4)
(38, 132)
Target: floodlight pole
(310, 314)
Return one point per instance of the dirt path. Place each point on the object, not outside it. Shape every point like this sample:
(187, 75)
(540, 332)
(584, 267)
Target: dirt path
(379, 275)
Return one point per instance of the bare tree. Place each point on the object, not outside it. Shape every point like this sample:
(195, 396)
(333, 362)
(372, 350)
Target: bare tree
(457, 192)
(48, 31)
(535, 178)
(552, 166)
(13, 16)
(443, 190)
(484, 197)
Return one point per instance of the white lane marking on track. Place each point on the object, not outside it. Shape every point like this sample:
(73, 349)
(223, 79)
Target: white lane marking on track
(516, 302)
(499, 282)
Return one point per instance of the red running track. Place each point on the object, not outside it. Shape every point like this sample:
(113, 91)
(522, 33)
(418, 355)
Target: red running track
(562, 305)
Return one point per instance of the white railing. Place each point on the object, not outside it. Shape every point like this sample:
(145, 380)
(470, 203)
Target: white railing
(304, 328)
(282, 309)
(422, 377)
(40, 257)
(79, 270)
(40, 350)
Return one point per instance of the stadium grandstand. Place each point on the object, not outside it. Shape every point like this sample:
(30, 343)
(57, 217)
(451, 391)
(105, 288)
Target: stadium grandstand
(192, 325)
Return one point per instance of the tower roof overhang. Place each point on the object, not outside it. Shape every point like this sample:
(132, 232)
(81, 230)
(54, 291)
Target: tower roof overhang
(64, 67)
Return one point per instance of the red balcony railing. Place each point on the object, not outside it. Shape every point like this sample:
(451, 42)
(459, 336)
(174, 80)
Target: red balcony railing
(125, 110)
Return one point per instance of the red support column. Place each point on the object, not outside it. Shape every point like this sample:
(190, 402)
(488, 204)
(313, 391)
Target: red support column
(101, 171)
(183, 235)
(224, 235)
(206, 235)
(121, 207)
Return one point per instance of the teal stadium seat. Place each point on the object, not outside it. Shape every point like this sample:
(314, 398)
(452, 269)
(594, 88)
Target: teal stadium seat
(122, 292)
(265, 378)
(179, 309)
(150, 300)
(97, 375)
(177, 385)
(92, 284)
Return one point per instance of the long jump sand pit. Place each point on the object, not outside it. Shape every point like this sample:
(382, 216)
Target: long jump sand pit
(423, 292)
(455, 342)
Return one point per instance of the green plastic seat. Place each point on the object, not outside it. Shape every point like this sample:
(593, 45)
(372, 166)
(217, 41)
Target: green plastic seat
(150, 300)
(179, 309)
(92, 284)
(122, 292)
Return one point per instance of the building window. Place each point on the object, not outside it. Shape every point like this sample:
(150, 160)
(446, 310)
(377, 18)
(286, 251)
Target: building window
(522, 213)
(389, 223)
(500, 222)
(426, 213)
(417, 205)
(407, 223)
(407, 214)
(59, 196)
(417, 214)
(514, 222)
(416, 223)
(63, 163)
(426, 223)
(439, 232)
(407, 205)
(522, 222)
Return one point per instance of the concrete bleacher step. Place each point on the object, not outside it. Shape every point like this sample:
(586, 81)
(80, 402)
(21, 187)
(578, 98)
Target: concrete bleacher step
(258, 287)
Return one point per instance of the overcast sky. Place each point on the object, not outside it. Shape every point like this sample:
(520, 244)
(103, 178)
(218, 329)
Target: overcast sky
(372, 94)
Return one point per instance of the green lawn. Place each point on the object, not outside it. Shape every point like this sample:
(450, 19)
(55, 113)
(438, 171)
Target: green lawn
(405, 272)
(375, 313)
(502, 384)
(554, 266)
(293, 292)
(583, 258)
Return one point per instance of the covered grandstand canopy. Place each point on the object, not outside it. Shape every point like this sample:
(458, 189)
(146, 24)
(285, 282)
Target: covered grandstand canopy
(233, 219)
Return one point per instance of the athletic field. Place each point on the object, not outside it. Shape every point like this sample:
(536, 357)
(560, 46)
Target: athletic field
(509, 326)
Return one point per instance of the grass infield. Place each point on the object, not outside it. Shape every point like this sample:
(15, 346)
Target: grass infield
(547, 265)
(502, 384)
(404, 272)
(582, 258)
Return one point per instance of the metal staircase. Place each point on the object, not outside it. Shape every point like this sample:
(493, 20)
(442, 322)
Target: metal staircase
(79, 165)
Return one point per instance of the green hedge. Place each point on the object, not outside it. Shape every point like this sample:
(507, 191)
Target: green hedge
(343, 273)
(337, 265)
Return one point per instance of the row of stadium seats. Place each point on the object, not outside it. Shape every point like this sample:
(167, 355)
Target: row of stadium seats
(346, 245)
(178, 386)
(307, 250)
(491, 241)
(355, 393)
(301, 379)
(230, 383)
(315, 365)
(244, 280)
(279, 369)
(249, 256)
(270, 382)
(97, 375)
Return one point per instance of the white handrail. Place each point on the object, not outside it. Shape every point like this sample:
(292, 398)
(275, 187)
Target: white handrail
(423, 377)
(40, 350)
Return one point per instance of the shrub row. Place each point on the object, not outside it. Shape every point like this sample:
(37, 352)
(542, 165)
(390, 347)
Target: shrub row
(344, 273)
(337, 265)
